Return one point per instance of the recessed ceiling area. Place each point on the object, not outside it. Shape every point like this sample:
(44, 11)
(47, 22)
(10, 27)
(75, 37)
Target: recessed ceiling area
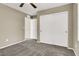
(28, 9)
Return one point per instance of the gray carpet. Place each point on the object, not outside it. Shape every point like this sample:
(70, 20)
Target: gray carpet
(32, 48)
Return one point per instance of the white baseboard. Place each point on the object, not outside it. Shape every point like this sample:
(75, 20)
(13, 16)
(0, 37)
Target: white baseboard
(73, 50)
(37, 42)
(62, 46)
(50, 44)
(12, 44)
(16, 43)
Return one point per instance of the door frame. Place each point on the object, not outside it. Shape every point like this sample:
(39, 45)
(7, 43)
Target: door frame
(69, 8)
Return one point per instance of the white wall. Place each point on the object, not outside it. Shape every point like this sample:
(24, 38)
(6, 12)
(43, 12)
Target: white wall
(78, 22)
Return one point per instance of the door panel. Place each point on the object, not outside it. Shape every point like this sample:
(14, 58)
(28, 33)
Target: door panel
(54, 29)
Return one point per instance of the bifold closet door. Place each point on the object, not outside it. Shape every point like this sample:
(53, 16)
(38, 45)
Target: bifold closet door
(54, 29)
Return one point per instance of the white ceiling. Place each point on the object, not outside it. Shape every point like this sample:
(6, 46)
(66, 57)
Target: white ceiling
(28, 9)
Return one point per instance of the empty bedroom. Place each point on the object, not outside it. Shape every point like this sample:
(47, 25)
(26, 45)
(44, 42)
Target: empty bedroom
(39, 29)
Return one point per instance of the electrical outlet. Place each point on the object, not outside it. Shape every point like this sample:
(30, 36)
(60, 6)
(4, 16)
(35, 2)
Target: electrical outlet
(6, 40)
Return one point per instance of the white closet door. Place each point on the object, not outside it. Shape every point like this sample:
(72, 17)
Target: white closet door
(33, 27)
(30, 28)
(54, 29)
(27, 28)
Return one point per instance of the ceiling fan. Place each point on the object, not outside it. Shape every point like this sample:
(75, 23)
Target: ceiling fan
(32, 4)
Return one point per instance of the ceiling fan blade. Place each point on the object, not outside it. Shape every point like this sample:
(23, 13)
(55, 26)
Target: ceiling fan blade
(21, 5)
(33, 5)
